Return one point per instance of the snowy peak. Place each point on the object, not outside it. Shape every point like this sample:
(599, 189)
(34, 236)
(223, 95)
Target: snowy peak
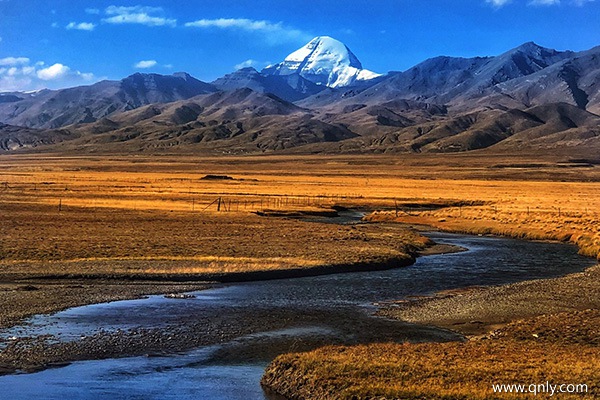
(324, 61)
(324, 50)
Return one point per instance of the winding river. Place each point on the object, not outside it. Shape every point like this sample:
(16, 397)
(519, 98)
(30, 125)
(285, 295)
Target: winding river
(294, 314)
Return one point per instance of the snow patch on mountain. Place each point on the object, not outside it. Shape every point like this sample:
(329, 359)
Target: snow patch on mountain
(324, 61)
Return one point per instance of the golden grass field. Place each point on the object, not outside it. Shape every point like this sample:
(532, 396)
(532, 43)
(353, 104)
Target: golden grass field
(139, 207)
(559, 349)
(433, 370)
(142, 216)
(39, 241)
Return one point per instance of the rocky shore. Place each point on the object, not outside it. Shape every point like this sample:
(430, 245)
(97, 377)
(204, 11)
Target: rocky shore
(476, 311)
(28, 297)
(23, 298)
(538, 330)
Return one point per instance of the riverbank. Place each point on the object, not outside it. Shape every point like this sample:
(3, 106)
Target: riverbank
(578, 228)
(435, 371)
(477, 311)
(537, 331)
(23, 299)
(469, 310)
(106, 252)
(99, 255)
(31, 287)
(531, 332)
(32, 353)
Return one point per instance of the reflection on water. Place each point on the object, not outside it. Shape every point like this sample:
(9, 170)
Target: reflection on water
(181, 377)
(324, 309)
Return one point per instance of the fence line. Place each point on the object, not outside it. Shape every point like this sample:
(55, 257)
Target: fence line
(60, 195)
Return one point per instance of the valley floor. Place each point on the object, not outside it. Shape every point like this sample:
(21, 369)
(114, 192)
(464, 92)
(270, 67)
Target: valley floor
(533, 332)
(79, 230)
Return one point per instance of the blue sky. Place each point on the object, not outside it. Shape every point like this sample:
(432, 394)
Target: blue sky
(59, 43)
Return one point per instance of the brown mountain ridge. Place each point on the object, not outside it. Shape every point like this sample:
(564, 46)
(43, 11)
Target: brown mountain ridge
(529, 98)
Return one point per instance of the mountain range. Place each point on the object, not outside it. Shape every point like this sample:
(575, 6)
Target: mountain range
(321, 99)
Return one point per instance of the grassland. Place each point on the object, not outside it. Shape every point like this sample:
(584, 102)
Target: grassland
(549, 199)
(78, 228)
(433, 371)
(559, 348)
(572, 218)
(133, 243)
(88, 219)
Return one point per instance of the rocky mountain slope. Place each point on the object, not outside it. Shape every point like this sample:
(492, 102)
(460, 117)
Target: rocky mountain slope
(86, 104)
(454, 81)
(291, 87)
(234, 122)
(18, 137)
(319, 99)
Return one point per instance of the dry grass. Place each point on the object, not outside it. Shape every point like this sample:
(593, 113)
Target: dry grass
(432, 371)
(38, 240)
(149, 214)
(577, 327)
(156, 216)
(175, 184)
(579, 228)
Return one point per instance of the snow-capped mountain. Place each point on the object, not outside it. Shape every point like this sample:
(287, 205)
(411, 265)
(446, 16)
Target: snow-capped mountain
(324, 61)
(529, 98)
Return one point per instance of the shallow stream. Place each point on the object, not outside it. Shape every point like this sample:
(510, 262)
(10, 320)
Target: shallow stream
(318, 310)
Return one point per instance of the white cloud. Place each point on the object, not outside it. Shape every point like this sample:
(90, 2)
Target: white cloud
(12, 61)
(28, 70)
(498, 3)
(274, 32)
(251, 63)
(92, 11)
(53, 72)
(137, 15)
(241, 23)
(86, 76)
(82, 26)
(145, 64)
(19, 74)
(142, 19)
(13, 84)
(581, 3)
(543, 2)
(245, 64)
(54, 25)
(118, 10)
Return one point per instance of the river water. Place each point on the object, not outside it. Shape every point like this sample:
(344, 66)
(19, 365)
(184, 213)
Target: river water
(318, 310)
